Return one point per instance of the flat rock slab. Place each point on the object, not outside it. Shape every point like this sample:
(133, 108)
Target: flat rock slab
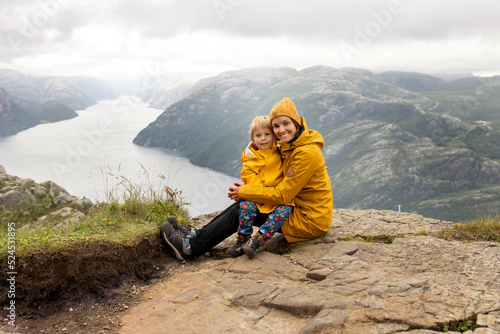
(416, 284)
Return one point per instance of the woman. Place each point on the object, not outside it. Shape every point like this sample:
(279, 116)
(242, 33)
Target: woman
(306, 182)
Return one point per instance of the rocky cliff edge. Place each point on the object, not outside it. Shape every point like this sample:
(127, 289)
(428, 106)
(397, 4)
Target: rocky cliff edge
(376, 272)
(373, 272)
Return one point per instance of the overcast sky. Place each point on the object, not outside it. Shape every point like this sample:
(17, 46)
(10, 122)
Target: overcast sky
(135, 38)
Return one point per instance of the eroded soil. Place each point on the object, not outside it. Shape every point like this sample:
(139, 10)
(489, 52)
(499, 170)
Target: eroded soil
(88, 289)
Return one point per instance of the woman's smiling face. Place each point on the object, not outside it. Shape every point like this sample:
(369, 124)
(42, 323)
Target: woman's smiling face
(284, 129)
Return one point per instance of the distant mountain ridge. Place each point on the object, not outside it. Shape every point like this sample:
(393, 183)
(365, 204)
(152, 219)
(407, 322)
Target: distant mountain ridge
(161, 91)
(385, 145)
(28, 100)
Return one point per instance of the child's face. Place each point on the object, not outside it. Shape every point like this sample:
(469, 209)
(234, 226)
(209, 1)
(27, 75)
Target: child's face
(284, 129)
(263, 137)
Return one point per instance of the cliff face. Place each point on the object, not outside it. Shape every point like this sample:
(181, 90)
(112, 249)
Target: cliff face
(5, 102)
(385, 145)
(12, 117)
(410, 282)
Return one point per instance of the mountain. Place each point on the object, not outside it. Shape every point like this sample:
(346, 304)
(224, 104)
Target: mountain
(412, 81)
(76, 92)
(20, 89)
(28, 100)
(162, 91)
(15, 117)
(476, 101)
(12, 118)
(385, 145)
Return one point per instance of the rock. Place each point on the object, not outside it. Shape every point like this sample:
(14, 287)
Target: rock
(64, 199)
(54, 189)
(12, 198)
(17, 190)
(2, 170)
(38, 191)
(415, 284)
(324, 320)
(58, 218)
(85, 202)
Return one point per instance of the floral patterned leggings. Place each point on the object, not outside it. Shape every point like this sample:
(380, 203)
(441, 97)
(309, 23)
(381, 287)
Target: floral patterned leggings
(248, 211)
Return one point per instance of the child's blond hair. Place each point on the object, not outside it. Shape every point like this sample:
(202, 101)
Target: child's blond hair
(260, 122)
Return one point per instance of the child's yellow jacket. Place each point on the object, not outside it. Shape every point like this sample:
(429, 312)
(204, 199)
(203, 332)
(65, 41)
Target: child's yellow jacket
(261, 167)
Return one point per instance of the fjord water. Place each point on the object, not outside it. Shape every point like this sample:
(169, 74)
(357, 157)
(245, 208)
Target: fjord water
(84, 154)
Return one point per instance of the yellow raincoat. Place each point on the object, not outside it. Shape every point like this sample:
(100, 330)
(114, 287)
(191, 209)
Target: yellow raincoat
(262, 167)
(306, 182)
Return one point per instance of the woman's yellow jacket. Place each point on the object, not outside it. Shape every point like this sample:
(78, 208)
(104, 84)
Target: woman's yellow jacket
(262, 167)
(306, 182)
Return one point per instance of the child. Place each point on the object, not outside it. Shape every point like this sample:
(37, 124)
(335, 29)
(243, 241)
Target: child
(261, 166)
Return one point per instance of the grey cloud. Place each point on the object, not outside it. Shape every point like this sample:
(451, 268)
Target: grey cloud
(320, 23)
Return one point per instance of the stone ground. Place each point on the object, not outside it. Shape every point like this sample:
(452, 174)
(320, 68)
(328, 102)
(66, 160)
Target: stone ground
(408, 282)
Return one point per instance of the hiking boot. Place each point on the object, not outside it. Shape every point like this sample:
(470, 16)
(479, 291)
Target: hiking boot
(236, 250)
(254, 244)
(176, 240)
(175, 224)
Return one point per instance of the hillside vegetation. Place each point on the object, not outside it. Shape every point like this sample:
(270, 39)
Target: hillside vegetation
(62, 247)
(45, 218)
(391, 139)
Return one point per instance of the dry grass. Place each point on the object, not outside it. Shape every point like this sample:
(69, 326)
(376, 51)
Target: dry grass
(484, 228)
(132, 210)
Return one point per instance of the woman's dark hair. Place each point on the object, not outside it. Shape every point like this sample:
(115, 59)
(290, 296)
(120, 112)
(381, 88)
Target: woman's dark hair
(299, 128)
(297, 125)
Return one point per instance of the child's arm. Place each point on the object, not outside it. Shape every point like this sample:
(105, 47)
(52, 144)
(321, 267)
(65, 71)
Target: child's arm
(248, 175)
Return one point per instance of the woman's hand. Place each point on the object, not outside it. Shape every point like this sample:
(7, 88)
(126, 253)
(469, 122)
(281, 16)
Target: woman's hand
(233, 191)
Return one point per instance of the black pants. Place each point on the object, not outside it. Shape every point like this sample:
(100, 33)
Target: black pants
(220, 228)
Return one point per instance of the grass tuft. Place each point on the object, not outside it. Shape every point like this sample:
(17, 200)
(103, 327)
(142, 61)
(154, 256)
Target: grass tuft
(483, 228)
(132, 210)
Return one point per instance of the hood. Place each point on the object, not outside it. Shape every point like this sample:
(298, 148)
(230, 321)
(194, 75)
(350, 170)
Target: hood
(253, 153)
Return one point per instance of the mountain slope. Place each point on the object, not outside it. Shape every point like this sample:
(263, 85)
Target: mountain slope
(384, 145)
(162, 91)
(28, 100)
(15, 117)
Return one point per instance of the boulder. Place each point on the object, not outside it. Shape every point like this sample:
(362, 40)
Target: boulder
(12, 198)
(64, 199)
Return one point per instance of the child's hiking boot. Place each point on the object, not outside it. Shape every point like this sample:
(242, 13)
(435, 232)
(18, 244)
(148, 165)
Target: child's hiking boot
(236, 250)
(254, 244)
(176, 240)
